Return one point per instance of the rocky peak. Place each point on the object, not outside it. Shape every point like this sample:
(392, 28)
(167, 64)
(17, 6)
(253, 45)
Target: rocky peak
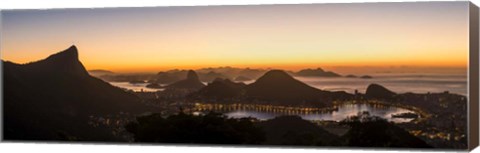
(192, 75)
(379, 92)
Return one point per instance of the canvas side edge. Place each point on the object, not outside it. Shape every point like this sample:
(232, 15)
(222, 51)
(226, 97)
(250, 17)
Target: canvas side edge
(473, 102)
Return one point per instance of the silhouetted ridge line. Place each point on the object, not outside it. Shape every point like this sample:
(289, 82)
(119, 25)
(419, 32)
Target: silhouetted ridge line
(56, 96)
(220, 89)
(377, 91)
(191, 75)
(70, 53)
(192, 82)
(274, 87)
(277, 85)
(319, 72)
(65, 62)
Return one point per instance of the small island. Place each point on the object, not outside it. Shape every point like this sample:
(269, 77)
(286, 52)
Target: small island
(351, 76)
(154, 86)
(405, 115)
(366, 77)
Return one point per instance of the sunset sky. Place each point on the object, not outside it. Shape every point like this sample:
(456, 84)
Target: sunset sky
(431, 34)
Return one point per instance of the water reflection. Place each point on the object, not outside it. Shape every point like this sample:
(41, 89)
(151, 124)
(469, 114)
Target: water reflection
(343, 112)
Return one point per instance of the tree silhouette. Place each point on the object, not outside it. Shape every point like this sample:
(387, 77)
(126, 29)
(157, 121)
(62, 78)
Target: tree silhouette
(373, 131)
(212, 128)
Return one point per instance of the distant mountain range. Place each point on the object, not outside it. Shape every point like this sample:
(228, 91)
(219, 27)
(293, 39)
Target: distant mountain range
(210, 74)
(280, 88)
(191, 82)
(54, 98)
(237, 74)
(319, 72)
(221, 89)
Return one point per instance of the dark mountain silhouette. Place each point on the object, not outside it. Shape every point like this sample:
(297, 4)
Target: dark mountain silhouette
(56, 96)
(232, 72)
(170, 76)
(350, 76)
(366, 77)
(293, 130)
(65, 62)
(208, 74)
(204, 74)
(375, 91)
(220, 89)
(191, 82)
(319, 72)
(361, 77)
(277, 85)
(154, 86)
(192, 75)
(237, 74)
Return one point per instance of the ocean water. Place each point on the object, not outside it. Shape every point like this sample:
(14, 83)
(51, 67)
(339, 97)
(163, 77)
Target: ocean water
(399, 83)
(135, 86)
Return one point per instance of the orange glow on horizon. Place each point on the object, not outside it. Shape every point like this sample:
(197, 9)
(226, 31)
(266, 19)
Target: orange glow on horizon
(140, 65)
(292, 67)
(292, 37)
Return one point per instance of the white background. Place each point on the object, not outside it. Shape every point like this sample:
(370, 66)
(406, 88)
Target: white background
(109, 148)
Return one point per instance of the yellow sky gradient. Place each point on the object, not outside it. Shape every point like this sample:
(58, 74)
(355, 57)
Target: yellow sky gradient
(277, 36)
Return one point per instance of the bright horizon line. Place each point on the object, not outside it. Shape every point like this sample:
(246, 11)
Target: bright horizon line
(298, 68)
(279, 65)
(285, 65)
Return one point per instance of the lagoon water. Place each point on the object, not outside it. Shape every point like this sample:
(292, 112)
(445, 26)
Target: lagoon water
(343, 112)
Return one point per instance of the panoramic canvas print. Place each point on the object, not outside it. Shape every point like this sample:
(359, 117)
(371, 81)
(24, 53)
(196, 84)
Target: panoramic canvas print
(386, 75)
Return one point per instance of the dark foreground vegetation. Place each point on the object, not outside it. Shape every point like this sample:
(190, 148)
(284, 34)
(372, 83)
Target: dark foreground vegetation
(211, 128)
(215, 128)
(372, 131)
